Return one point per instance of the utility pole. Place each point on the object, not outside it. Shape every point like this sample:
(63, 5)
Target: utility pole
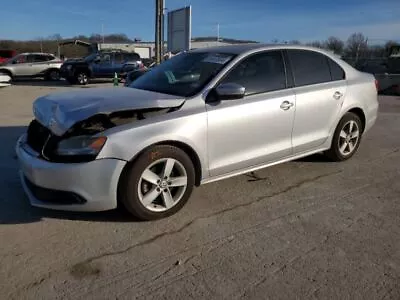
(159, 27)
(102, 32)
(217, 33)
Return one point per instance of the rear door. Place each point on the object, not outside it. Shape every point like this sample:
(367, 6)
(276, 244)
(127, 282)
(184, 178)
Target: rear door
(40, 64)
(320, 89)
(22, 64)
(118, 62)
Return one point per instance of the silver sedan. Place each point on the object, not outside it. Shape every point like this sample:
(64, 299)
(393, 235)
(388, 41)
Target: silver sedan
(202, 116)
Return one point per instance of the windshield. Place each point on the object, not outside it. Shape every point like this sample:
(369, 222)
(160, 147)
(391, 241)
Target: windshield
(183, 75)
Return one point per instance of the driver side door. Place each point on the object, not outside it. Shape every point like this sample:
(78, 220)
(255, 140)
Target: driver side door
(256, 129)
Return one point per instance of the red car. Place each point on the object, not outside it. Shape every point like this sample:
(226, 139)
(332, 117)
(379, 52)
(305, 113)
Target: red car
(6, 55)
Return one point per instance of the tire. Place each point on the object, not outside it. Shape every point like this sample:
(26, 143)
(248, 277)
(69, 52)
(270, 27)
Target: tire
(345, 141)
(82, 77)
(165, 195)
(6, 72)
(53, 75)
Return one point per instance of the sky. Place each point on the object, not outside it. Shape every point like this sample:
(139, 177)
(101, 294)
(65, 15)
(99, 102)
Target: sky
(260, 20)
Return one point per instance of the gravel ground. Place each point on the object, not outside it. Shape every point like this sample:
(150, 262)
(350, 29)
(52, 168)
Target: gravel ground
(308, 229)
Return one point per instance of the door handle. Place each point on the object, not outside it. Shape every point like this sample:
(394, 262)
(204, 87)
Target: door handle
(337, 95)
(286, 105)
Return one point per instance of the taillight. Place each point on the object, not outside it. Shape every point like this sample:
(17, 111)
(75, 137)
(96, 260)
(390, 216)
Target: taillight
(377, 85)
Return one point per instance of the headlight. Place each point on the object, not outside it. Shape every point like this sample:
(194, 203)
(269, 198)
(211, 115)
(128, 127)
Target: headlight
(69, 67)
(81, 145)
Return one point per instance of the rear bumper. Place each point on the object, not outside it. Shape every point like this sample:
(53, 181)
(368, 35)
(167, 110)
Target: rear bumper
(90, 186)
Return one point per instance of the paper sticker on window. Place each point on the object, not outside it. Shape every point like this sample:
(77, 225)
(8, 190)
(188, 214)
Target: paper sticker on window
(217, 59)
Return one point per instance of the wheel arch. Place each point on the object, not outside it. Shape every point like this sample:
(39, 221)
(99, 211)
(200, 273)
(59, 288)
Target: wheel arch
(83, 69)
(7, 72)
(360, 113)
(194, 157)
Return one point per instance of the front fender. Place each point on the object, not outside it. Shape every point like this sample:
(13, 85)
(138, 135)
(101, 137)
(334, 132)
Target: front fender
(127, 143)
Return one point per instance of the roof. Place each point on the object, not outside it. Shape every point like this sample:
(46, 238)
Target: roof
(243, 48)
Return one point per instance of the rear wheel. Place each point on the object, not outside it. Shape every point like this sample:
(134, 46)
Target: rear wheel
(53, 75)
(346, 139)
(6, 72)
(158, 183)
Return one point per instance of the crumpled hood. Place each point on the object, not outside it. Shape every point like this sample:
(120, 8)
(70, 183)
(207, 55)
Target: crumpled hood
(60, 111)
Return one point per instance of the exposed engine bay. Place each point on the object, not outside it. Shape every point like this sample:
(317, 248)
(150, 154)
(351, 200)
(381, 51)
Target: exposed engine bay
(43, 141)
(101, 122)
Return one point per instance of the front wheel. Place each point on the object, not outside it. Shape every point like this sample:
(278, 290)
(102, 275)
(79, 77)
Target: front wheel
(346, 139)
(82, 77)
(158, 183)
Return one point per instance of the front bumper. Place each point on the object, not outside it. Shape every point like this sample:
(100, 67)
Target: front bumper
(90, 186)
(66, 73)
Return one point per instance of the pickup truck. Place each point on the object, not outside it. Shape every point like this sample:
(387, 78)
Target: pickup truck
(102, 64)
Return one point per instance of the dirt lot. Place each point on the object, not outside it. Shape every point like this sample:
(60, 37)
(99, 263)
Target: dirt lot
(309, 229)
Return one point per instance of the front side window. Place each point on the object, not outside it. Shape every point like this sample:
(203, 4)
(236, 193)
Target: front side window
(259, 73)
(309, 67)
(106, 58)
(185, 74)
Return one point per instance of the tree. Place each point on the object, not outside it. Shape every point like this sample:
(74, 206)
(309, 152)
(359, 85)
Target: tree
(316, 44)
(294, 42)
(357, 44)
(334, 44)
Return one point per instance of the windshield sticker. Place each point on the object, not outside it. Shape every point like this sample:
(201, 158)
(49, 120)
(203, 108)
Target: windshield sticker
(217, 59)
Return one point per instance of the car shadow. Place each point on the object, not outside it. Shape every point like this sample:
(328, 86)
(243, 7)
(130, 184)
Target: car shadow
(315, 158)
(14, 205)
(59, 83)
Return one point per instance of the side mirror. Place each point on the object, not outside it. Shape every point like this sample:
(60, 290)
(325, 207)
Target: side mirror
(97, 60)
(230, 91)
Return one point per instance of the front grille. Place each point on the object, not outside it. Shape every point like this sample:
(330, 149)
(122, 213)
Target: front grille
(37, 136)
(53, 196)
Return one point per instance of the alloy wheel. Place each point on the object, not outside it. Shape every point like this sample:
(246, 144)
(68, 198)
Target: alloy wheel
(348, 138)
(162, 184)
(82, 78)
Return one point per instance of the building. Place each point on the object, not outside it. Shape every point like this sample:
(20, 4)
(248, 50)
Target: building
(147, 49)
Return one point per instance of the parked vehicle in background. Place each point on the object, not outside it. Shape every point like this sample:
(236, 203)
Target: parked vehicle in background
(133, 75)
(199, 117)
(32, 65)
(102, 64)
(129, 67)
(386, 71)
(6, 55)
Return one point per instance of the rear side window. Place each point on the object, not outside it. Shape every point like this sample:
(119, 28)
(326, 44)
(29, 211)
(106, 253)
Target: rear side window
(38, 58)
(259, 73)
(309, 67)
(49, 57)
(337, 72)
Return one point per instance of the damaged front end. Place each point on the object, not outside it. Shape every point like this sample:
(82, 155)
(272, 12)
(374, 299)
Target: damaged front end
(82, 142)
